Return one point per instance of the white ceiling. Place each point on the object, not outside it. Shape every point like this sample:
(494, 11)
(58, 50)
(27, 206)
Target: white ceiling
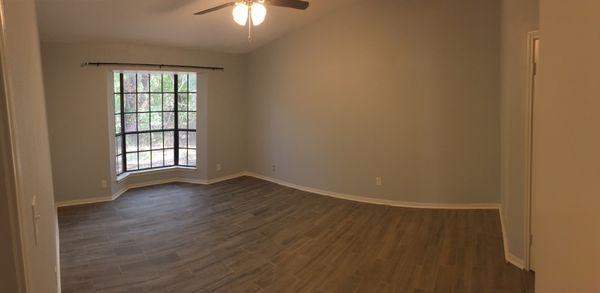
(167, 23)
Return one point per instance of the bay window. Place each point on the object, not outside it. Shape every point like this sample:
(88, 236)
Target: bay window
(155, 120)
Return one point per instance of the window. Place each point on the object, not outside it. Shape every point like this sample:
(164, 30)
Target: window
(155, 120)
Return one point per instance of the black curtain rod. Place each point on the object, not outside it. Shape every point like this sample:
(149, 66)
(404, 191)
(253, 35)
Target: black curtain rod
(98, 64)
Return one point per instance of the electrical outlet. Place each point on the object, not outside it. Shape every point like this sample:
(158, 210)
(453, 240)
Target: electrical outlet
(104, 184)
(378, 181)
(218, 167)
(274, 168)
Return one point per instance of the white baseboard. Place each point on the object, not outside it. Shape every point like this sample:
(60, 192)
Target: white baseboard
(225, 178)
(145, 184)
(370, 200)
(211, 181)
(516, 261)
(84, 201)
(151, 183)
(509, 257)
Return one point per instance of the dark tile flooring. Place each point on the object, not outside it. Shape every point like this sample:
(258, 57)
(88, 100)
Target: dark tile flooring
(249, 235)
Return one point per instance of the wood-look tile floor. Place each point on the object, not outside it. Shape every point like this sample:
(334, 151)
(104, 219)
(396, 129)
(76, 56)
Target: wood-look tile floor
(248, 235)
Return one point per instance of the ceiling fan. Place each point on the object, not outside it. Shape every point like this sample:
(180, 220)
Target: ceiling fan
(254, 12)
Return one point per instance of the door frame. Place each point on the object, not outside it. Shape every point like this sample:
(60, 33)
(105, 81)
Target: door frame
(532, 37)
(8, 170)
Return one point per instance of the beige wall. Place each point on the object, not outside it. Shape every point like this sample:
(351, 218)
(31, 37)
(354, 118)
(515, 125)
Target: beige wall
(518, 18)
(27, 114)
(566, 148)
(78, 107)
(405, 90)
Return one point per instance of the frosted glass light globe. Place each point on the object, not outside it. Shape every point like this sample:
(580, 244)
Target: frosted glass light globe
(258, 12)
(240, 14)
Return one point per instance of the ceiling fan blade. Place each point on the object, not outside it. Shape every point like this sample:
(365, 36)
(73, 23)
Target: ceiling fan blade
(295, 4)
(215, 8)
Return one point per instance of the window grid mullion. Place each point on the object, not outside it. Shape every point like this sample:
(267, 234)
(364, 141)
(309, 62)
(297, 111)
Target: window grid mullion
(149, 118)
(162, 111)
(176, 109)
(123, 142)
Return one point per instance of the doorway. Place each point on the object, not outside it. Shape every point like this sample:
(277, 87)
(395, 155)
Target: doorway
(533, 59)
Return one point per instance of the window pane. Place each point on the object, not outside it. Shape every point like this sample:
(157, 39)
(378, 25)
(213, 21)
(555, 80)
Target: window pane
(143, 121)
(155, 83)
(169, 120)
(144, 141)
(119, 145)
(169, 139)
(157, 140)
(191, 140)
(192, 120)
(169, 102)
(192, 102)
(117, 124)
(119, 165)
(117, 104)
(169, 157)
(183, 122)
(143, 83)
(145, 162)
(183, 139)
(156, 102)
(168, 83)
(129, 82)
(131, 143)
(182, 81)
(192, 83)
(132, 162)
(143, 103)
(182, 102)
(130, 122)
(191, 158)
(157, 159)
(130, 103)
(183, 157)
(117, 82)
(156, 121)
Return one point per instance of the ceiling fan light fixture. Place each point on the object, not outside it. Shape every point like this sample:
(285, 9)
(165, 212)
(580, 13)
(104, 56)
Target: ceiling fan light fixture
(240, 13)
(254, 10)
(258, 13)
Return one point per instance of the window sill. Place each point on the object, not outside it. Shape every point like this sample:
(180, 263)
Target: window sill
(154, 171)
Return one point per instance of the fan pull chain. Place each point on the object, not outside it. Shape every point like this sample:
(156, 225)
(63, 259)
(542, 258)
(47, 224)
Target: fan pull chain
(250, 25)
(250, 33)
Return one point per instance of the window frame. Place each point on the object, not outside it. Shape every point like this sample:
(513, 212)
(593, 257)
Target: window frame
(121, 150)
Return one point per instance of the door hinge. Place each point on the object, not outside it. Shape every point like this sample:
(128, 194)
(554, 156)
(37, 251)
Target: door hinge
(531, 240)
